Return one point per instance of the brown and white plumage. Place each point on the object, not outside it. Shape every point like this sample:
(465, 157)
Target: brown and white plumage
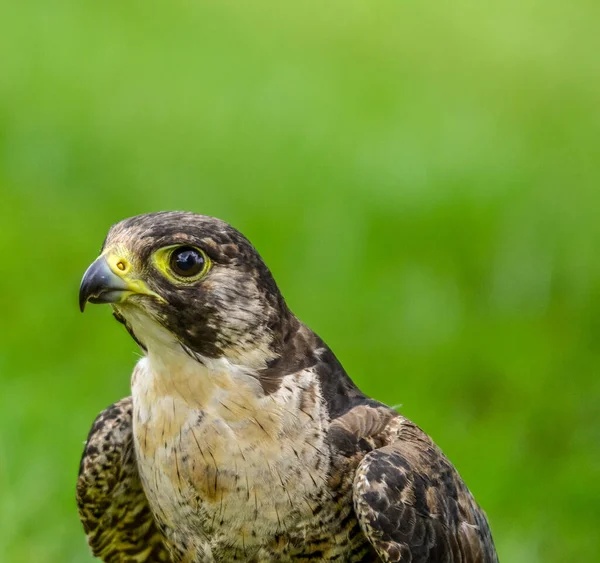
(112, 505)
(244, 439)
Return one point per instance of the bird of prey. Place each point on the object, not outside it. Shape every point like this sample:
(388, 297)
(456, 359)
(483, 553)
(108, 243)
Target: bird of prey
(244, 439)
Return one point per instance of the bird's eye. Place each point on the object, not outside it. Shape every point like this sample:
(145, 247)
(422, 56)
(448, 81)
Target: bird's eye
(187, 262)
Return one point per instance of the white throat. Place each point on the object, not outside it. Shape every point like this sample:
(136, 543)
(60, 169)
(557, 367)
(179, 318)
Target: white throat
(169, 372)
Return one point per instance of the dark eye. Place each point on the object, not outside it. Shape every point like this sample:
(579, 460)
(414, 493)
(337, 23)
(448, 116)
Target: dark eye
(187, 261)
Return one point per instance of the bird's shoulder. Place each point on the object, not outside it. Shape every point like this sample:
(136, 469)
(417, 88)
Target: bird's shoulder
(112, 505)
(410, 500)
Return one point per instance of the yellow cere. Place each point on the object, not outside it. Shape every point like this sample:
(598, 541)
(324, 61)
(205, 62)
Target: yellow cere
(124, 268)
(118, 259)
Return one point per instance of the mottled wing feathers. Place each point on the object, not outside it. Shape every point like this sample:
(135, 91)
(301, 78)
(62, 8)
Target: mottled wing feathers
(414, 507)
(112, 506)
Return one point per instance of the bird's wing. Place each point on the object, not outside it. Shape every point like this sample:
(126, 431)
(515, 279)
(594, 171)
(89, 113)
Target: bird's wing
(113, 508)
(409, 499)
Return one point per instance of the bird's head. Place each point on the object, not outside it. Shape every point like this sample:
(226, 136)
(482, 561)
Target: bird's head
(192, 281)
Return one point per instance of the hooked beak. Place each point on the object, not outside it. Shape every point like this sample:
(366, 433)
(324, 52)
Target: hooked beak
(109, 280)
(100, 284)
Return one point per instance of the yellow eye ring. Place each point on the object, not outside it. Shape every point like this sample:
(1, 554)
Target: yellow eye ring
(184, 263)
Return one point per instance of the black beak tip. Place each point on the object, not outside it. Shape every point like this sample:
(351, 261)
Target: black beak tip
(85, 292)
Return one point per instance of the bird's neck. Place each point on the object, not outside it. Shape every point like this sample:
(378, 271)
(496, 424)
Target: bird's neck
(252, 379)
(174, 394)
(170, 373)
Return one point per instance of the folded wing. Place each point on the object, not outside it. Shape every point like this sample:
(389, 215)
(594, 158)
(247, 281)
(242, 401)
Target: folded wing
(112, 505)
(414, 507)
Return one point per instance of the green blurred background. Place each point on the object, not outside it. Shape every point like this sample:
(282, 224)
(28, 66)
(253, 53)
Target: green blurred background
(422, 178)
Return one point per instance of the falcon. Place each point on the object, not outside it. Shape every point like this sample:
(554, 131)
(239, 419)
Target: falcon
(244, 439)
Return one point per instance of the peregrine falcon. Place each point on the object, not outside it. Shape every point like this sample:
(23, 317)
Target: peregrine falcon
(244, 439)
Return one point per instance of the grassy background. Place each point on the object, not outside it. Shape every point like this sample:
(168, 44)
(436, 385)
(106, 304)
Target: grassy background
(422, 178)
